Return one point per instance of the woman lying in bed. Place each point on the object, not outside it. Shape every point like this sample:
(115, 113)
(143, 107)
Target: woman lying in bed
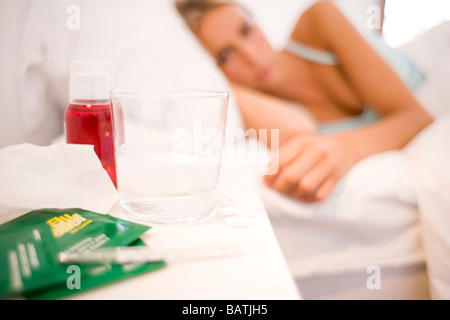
(328, 68)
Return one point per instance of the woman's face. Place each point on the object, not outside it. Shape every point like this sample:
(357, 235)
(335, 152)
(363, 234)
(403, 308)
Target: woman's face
(239, 47)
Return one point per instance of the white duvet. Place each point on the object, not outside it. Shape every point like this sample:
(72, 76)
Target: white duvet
(391, 209)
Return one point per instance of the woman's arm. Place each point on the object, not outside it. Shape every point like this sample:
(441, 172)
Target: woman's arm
(310, 165)
(374, 81)
(267, 112)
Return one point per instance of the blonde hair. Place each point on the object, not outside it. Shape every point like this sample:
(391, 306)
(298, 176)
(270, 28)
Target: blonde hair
(193, 11)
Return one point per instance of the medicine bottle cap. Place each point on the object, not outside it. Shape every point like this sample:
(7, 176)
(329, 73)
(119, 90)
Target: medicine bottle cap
(90, 80)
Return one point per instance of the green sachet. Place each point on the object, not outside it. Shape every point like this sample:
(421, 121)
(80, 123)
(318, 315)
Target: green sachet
(93, 276)
(73, 230)
(27, 262)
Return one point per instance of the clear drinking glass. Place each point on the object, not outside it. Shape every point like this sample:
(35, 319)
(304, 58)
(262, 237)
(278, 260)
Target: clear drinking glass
(168, 148)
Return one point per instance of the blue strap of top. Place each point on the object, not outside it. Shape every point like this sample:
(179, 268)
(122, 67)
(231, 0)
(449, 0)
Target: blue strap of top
(407, 71)
(311, 54)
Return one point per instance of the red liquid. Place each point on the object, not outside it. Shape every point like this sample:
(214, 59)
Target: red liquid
(92, 124)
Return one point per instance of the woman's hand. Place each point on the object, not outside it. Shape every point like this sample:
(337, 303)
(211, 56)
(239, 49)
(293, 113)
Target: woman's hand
(310, 165)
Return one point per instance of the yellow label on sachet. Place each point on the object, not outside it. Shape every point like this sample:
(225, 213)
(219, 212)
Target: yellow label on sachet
(67, 223)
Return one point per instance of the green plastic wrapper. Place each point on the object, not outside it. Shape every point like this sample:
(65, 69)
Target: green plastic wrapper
(29, 247)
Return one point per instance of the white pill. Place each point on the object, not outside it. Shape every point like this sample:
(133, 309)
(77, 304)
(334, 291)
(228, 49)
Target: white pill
(238, 222)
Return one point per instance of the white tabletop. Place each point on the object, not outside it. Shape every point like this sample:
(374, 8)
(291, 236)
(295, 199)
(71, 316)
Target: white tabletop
(259, 273)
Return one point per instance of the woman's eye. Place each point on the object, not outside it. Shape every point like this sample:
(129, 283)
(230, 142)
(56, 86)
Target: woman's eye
(224, 55)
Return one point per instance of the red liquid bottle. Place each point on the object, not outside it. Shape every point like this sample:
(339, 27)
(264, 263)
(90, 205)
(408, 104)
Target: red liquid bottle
(88, 117)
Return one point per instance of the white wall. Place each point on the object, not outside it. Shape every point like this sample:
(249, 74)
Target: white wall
(406, 19)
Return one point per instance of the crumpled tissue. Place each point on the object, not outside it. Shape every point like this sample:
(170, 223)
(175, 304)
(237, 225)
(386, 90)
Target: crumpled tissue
(55, 176)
